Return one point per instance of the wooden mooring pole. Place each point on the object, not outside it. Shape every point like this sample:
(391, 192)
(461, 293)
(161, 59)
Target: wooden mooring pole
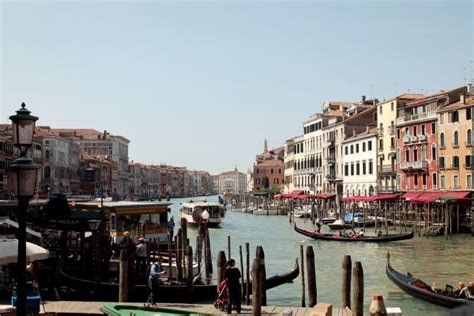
(207, 254)
(346, 282)
(242, 289)
(221, 262)
(189, 274)
(257, 287)
(228, 248)
(261, 255)
(358, 289)
(303, 303)
(247, 279)
(311, 274)
(178, 243)
(123, 277)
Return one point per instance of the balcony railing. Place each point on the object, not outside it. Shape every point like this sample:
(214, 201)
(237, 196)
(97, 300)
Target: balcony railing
(414, 165)
(406, 139)
(454, 167)
(469, 166)
(331, 158)
(414, 139)
(416, 117)
(387, 189)
(330, 177)
(422, 138)
(387, 170)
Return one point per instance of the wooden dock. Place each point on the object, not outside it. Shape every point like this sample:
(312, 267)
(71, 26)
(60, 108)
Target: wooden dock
(93, 308)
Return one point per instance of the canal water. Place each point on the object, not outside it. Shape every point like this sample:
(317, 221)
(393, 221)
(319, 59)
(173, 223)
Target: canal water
(432, 259)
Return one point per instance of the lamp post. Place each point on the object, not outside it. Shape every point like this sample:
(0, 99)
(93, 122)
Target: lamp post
(23, 178)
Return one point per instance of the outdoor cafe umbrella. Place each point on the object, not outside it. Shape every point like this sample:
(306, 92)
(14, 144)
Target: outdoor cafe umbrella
(9, 251)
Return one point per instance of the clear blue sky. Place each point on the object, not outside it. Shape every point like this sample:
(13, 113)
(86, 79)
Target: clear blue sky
(201, 84)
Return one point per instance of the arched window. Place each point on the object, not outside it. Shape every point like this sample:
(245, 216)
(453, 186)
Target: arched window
(398, 155)
(46, 154)
(407, 131)
(407, 154)
(456, 139)
(469, 137)
(47, 172)
(415, 153)
(441, 140)
(423, 152)
(433, 152)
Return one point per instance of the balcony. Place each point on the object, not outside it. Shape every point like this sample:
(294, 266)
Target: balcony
(416, 118)
(414, 165)
(469, 166)
(393, 148)
(387, 170)
(331, 159)
(406, 139)
(422, 138)
(391, 130)
(387, 189)
(414, 139)
(454, 167)
(331, 177)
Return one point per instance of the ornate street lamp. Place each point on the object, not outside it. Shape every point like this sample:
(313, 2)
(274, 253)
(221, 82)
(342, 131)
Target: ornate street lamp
(23, 178)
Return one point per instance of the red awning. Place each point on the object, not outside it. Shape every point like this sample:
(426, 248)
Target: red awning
(302, 197)
(357, 199)
(326, 196)
(295, 193)
(411, 195)
(456, 195)
(428, 197)
(386, 197)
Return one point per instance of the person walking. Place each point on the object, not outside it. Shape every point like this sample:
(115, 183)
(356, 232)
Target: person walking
(156, 270)
(232, 276)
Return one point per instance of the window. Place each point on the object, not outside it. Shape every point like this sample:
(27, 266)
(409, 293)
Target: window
(415, 180)
(423, 153)
(258, 171)
(369, 145)
(398, 181)
(352, 149)
(433, 128)
(469, 181)
(398, 133)
(47, 172)
(46, 154)
(352, 169)
(441, 140)
(407, 184)
(279, 171)
(364, 167)
(443, 181)
(346, 169)
(455, 162)
(469, 137)
(415, 130)
(423, 129)
(275, 181)
(456, 139)
(468, 161)
(407, 131)
(371, 167)
(358, 168)
(434, 178)
(456, 182)
(363, 146)
(398, 155)
(433, 152)
(454, 116)
(391, 106)
(441, 119)
(380, 109)
(407, 154)
(424, 179)
(468, 113)
(441, 163)
(346, 149)
(271, 171)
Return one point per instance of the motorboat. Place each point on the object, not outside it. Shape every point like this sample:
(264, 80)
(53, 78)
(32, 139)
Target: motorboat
(192, 211)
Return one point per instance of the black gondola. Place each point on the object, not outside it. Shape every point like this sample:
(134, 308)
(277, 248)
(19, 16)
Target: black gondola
(166, 293)
(334, 237)
(419, 289)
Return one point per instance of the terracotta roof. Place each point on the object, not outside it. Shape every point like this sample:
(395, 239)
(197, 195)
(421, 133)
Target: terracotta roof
(411, 96)
(232, 173)
(87, 133)
(469, 101)
(270, 163)
(436, 96)
(333, 113)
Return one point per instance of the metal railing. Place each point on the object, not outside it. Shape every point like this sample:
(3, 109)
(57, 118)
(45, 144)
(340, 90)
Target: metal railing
(414, 165)
(416, 117)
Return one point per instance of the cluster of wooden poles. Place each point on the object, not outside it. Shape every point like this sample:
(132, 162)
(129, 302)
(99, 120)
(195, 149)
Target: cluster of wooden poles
(357, 307)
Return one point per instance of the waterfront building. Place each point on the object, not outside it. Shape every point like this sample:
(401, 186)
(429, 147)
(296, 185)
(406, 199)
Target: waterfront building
(93, 142)
(455, 143)
(144, 181)
(417, 141)
(61, 157)
(313, 152)
(249, 180)
(386, 117)
(6, 159)
(232, 182)
(299, 180)
(289, 161)
(98, 175)
(269, 170)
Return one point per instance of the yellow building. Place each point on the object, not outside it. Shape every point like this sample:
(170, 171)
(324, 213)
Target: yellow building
(456, 144)
(387, 143)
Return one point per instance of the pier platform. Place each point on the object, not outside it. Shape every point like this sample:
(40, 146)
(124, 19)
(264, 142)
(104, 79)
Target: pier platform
(57, 308)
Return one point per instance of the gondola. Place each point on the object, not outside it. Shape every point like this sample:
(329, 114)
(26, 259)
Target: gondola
(334, 237)
(166, 293)
(421, 290)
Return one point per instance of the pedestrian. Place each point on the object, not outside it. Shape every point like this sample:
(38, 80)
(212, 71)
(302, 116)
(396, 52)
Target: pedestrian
(127, 244)
(171, 226)
(232, 276)
(142, 255)
(156, 270)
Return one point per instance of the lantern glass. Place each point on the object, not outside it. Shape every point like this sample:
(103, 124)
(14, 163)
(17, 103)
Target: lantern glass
(27, 180)
(23, 132)
(205, 215)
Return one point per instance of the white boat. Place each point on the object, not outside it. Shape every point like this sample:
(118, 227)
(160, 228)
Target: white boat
(262, 211)
(192, 212)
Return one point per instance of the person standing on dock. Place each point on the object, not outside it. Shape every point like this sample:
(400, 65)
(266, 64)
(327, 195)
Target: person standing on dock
(232, 276)
(141, 256)
(153, 280)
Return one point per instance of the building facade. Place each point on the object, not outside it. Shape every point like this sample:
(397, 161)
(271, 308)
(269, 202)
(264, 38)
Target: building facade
(289, 161)
(269, 169)
(232, 182)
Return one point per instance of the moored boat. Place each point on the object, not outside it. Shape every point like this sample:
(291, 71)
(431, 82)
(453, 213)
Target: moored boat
(336, 237)
(339, 224)
(419, 289)
(192, 211)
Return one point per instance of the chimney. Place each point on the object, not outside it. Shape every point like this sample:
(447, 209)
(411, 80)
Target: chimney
(461, 98)
(367, 128)
(353, 132)
(105, 134)
(362, 99)
(470, 90)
